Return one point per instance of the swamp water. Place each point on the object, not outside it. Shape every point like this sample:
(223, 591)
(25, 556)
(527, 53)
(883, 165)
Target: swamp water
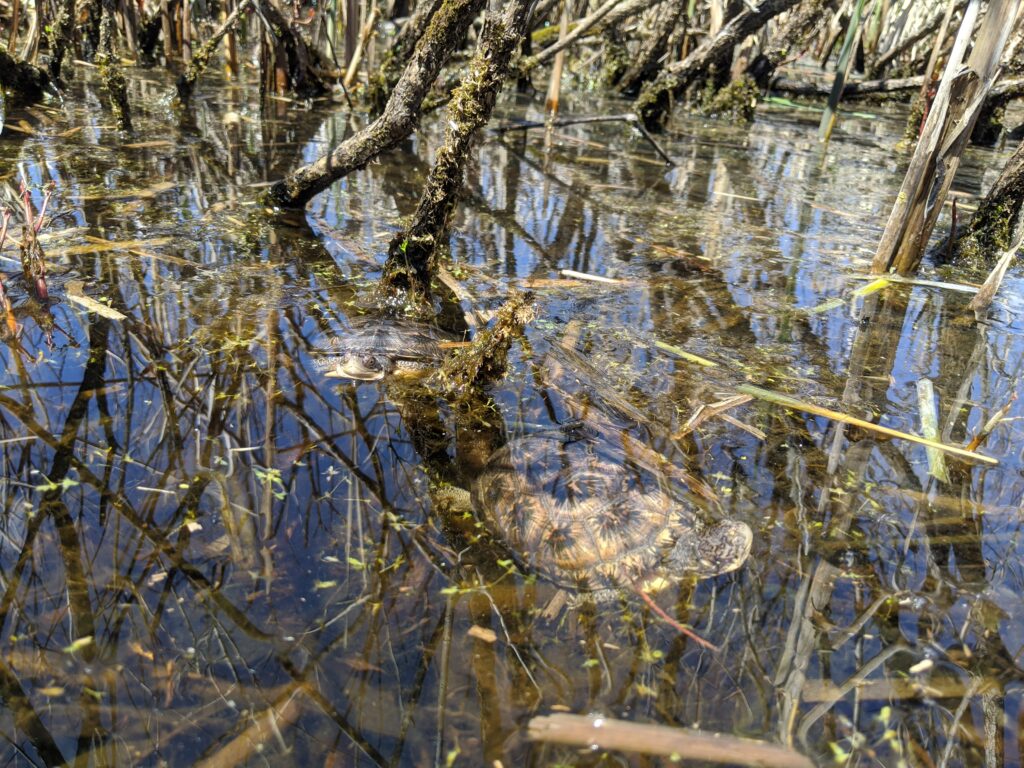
(200, 528)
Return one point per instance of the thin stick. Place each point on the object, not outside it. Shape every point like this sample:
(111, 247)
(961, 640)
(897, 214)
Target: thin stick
(673, 623)
(991, 424)
(628, 117)
(799, 405)
(592, 278)
(555, 84)
(607, 733)
(565, 40)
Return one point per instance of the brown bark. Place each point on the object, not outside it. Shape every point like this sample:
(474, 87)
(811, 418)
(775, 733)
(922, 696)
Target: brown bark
(991, 229)
(445, 32)
(851, 89)
(653, 49)
(382, 85)
(25, 82)
(789, 40)
(412, 254)
(655, 99)
(301, 62)
(61, 35)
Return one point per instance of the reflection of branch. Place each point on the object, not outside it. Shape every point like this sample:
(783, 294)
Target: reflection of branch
(25, 718)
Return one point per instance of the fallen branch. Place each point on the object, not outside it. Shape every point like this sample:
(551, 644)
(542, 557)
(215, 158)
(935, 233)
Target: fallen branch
(655, 99)
(852, 88)
(283, 712)
(594, 731)
(443, 34)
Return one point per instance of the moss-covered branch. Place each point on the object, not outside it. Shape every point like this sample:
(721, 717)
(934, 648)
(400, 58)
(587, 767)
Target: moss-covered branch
(484, 361)
(991, 230)
(110, 68)
(60, 33)
(382, 84)
(446, 30)
(201, 58)
(412, 253)
(655, 99)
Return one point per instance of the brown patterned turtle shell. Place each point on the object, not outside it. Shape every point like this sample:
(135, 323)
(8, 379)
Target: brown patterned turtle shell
(585, 514)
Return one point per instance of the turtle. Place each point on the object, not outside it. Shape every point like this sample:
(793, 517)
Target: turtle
(587, 514)
(379, 346)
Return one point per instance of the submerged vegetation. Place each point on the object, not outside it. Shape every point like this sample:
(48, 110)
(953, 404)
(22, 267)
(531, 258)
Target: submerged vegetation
(711, 308)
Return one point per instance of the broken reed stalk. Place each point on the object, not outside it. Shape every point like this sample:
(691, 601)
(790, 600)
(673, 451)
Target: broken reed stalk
(555, 83)
(992, 423)
(595, 731)
(947, 128)
(187, 82)
(928, 407)
(940, 39)
(843, 66)
(357, 56)
(786, 401)
(981, 302)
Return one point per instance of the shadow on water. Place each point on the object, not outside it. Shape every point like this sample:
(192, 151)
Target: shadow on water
(210, 551)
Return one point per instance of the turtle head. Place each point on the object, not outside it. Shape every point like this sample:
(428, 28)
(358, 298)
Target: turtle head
(361, 368)
(717, 549)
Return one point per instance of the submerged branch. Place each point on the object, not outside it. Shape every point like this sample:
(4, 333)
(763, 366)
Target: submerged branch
(650, 739)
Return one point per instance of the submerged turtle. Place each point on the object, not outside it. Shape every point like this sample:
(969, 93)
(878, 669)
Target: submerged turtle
(589, 515)
(377, 347)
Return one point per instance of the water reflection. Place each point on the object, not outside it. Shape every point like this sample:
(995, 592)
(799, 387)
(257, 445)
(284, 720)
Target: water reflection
(212, 552)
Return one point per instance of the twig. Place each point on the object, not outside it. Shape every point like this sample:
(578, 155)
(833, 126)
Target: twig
(673, 623)
(991, 424)
(594, 731)
(591, 278)
(628, 117)
(565, 41)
